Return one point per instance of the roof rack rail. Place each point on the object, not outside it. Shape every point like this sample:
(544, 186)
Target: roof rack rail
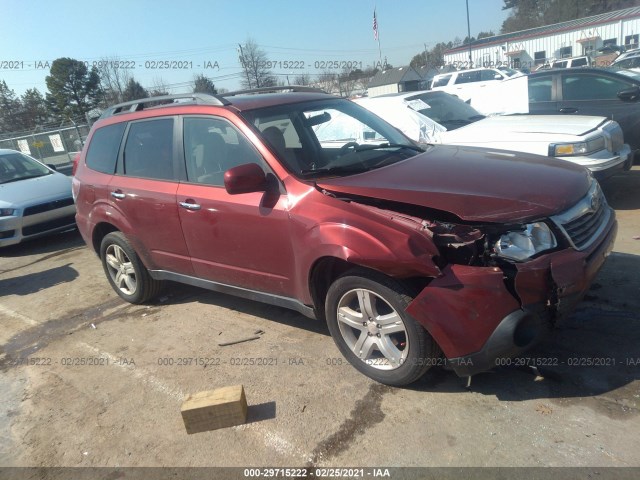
(289, 88)
(137, 105)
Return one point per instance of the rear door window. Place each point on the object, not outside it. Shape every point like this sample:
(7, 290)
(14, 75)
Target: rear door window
(488, 75)
(468, 77)
(102, 154)
(148, 152)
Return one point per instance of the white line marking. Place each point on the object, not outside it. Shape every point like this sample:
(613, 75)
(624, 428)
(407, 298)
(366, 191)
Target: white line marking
(17, 315)
(138, 372)
(270, 438)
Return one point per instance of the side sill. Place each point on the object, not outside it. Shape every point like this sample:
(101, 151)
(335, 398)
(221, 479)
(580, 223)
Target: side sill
(277, 300)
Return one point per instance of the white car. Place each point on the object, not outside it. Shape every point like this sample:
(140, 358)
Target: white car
(629, 62)
(465, 83)
(35, 200)
(593, 142)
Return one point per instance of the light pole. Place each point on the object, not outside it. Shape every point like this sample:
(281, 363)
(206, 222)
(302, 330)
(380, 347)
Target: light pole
(469, 35)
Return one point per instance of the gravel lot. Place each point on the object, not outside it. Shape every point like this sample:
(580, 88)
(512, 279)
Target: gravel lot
(307, 406)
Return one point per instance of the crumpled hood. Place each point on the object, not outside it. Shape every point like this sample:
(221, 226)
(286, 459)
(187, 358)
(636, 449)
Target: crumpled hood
(475, 184)
(33, 190)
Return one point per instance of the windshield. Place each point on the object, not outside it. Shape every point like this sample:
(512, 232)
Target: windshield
(628, 73)
(330, 138)
(509, 71)
(444, 109)
(16, 166)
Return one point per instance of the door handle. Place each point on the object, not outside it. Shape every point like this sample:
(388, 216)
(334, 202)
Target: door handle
(189, 206)
(118, 194)
(568, 110)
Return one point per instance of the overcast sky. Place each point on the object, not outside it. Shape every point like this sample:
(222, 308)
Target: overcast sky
(200, 33)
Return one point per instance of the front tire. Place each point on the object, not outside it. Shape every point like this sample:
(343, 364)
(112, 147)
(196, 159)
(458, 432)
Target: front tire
(367, 320)
(125, 271)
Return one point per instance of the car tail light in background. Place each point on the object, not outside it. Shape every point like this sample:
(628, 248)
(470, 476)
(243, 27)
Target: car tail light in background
(76, 159)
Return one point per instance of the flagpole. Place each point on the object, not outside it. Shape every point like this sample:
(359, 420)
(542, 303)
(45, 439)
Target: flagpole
(376, 35)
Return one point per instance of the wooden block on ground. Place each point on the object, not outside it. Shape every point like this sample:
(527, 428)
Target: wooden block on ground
(213, 409)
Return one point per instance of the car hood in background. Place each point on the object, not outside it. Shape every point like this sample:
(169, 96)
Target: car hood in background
(525, 127)
(32, 190)
(475, 184)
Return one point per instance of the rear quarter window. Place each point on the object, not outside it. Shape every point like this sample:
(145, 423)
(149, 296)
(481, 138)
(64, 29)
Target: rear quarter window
(102, 154)
(441, 82)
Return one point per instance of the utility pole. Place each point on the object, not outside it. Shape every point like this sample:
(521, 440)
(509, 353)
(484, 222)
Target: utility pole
(244, 67)
(469, 36)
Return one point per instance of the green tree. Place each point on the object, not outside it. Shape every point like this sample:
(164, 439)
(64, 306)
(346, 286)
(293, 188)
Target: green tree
(203, 84)
(34, 108)
(431, 58)
(486, 34)
(535, 13)
(73, 88)
(10, 108)
(133, 91)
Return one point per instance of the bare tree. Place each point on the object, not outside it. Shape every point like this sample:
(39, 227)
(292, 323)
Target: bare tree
(159, 88)
(327, 81)
(255, 66)
(304, 79)
(113, 79)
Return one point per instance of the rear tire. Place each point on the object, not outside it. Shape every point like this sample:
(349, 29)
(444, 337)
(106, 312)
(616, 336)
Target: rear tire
(367, 320)
(125, 271)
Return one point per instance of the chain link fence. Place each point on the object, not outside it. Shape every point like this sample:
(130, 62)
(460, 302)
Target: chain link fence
(54, 146)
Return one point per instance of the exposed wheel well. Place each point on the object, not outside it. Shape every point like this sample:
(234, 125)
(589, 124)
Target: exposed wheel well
(99, 232)
(327, 269)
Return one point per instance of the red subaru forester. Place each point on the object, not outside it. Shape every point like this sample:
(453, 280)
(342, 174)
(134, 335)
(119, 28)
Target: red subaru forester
(293, 197)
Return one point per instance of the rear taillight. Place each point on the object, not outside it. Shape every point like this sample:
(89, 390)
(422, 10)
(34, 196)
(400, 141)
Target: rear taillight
(76, 159)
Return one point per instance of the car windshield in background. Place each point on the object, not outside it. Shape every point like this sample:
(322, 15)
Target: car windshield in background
(447, 110)
(628, 73)
(15, 167)
(330, 138)
(508, 71)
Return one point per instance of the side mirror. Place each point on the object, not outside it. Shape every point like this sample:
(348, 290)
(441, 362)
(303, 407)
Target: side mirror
(245, 178)
(629, 95)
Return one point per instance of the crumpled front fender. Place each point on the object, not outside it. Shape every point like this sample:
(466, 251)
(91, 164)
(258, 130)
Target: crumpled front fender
(461, 308)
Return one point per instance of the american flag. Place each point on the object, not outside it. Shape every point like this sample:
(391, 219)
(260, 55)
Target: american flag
(375, 25)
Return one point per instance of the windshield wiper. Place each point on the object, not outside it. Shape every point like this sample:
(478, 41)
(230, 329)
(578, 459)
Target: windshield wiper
(347, 169)
(362, 148)
(23, 178)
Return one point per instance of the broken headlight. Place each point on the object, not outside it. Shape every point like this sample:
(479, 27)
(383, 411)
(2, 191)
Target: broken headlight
(523, 244)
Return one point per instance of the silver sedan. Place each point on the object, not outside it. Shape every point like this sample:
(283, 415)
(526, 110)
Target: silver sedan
(35, 200)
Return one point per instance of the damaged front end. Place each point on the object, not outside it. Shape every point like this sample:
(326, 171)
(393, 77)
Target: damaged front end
(502, 286)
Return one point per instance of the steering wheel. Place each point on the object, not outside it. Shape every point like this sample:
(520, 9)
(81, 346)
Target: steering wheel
(347, 146)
